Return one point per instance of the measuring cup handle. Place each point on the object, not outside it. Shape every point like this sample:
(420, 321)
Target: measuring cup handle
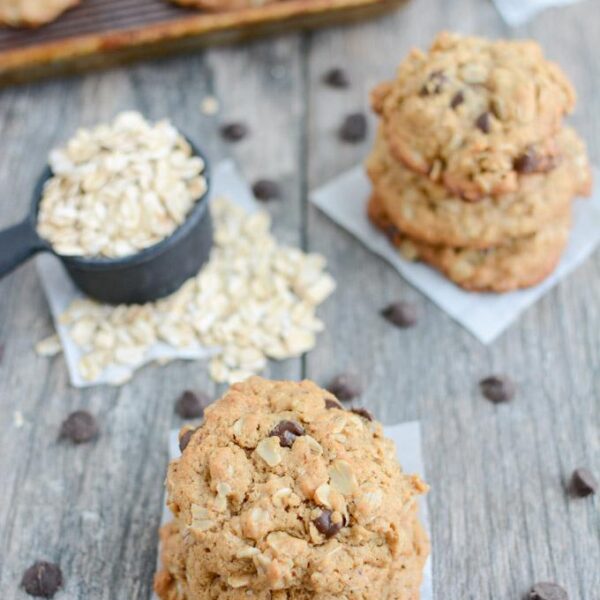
(17, 244)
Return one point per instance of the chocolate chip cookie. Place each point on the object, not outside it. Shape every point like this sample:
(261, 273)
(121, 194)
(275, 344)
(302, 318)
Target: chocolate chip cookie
(427, 212)
(32, 13)
(519, 263)
(284, 493)
(473, 114)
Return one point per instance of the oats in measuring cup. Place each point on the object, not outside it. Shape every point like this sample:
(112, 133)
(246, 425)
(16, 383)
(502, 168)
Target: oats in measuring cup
(119, 188)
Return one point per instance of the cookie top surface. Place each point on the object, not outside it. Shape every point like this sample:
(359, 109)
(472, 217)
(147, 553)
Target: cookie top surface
(284, 486)
(428, 212)
(473, 113)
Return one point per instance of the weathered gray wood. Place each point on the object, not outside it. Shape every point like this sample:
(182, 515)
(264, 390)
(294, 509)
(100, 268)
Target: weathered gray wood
(500, 517)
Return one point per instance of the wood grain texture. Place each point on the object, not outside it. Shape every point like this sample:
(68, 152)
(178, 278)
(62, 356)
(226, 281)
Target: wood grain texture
(500, 516)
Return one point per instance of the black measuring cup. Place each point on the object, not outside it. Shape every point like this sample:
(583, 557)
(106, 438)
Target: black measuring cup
(147, 275)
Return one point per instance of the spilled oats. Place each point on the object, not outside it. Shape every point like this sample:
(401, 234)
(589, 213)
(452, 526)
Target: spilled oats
(254, 300)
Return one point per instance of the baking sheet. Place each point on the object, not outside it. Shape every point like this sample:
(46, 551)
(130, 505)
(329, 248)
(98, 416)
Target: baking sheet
(102, 32)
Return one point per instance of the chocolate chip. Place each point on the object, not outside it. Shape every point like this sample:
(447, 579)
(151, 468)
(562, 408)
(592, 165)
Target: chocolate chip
(548, 591)
(484, 122)
(498, 388)
(391, 233)
(337, 78)
(191, 405)
(287, 432)
(329, 404)
(457, 99)
(184, 440)
(434, 84)
(362, 412)
(354, 128)
(528, 162)
(402, 314)
(345, 386)
(79, 427)
(583, 483)
(325, 524)
(42, 579)
(234, 132)
(266, 189)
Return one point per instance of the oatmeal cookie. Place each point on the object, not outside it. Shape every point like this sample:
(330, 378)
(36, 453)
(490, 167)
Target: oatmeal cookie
(520, 263)
(427, 212)
(473, 114)
(282, 493)
(32, 13)
(171, 583)
(172, 556)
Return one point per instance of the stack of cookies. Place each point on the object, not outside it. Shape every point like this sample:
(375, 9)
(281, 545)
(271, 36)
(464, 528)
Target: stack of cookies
(473, 170)
(282, 494)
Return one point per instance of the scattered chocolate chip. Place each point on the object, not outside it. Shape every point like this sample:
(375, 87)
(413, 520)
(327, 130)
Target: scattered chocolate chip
(325, 524)
(434, 84)
(362, 412)
(42, 579)
(184, 440)
(329, 404)
(79, 427)
(484, 122)
(287, 432)
(234, 132)
(548, 591)
(354, 128)
(391, 233)
(337, 78)
(345, 387)
(402, 314)
(191, 405)
(266, 189)
(457, 99)
(583, 483)
(497, 388)
(528, 162)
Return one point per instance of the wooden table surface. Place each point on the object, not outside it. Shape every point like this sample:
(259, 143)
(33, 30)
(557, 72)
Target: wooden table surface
(501, 519)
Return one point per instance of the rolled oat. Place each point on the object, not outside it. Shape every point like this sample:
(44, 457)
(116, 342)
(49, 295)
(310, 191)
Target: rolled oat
(119, 188)
(254, 300)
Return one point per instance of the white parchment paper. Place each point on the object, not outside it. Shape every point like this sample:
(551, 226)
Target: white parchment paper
(486, 316)
(518, 12)
(61, 291)
(407, 437)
